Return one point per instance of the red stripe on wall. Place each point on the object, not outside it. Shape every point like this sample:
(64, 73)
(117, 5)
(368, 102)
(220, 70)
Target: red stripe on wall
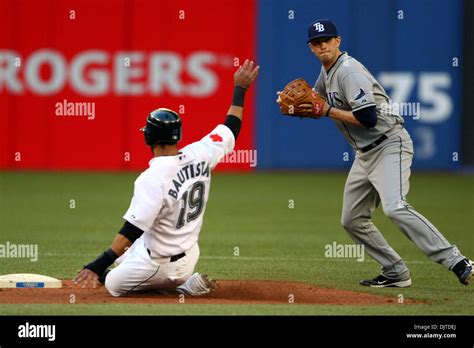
(120, 59)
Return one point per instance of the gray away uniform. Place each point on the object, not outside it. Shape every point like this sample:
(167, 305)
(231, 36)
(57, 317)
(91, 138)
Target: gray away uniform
(380, 174)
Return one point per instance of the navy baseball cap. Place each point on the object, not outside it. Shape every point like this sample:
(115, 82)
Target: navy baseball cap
(321, 28)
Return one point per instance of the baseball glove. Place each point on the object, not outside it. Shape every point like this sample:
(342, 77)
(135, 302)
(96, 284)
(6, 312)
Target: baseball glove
(299, 92)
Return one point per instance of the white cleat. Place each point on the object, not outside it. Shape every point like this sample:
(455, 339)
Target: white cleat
(197, 285)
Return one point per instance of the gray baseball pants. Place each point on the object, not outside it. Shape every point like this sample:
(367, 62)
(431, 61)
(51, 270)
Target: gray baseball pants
(382, 175)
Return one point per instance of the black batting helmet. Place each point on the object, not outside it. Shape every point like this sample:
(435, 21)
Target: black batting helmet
(163, 126)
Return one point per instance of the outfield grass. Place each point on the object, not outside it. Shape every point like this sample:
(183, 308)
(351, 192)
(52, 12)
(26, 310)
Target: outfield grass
(248, 212)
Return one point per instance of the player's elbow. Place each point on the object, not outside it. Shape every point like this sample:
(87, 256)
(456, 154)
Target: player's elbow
(367, 117)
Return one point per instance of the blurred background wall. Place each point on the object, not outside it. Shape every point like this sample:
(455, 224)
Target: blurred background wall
(467, 133)
(414, 48)
(130, 57)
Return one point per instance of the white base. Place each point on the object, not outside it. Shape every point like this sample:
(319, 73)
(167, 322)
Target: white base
(26, 280)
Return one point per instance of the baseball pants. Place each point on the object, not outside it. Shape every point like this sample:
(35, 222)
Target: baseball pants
(138, 272)
(381, 175)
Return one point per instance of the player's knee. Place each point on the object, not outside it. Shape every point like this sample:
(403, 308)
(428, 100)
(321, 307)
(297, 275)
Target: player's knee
(113, 284)
(354, 224)
(392, 210)
(348, 221)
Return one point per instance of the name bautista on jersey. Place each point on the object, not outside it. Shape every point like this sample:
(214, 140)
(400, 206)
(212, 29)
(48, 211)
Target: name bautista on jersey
(188, 172)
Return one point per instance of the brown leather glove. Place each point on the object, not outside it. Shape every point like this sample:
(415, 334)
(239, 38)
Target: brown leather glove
(295, 94)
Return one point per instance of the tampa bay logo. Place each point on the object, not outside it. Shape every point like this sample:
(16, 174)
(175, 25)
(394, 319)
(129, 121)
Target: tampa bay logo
(318, 27)
(360, 94)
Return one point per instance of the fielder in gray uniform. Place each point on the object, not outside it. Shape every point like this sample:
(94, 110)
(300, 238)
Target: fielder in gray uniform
(381, 169)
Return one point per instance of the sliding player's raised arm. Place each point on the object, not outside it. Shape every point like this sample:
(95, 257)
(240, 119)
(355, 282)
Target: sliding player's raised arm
(243, 79)
(221, 140)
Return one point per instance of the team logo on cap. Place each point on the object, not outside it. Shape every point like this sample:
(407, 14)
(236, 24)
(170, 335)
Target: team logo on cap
(318, 27)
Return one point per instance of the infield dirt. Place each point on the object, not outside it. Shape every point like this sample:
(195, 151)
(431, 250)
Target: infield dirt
(228, 292)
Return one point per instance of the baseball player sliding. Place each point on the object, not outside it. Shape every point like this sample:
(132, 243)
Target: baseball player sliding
(384, 152)
(157, 247)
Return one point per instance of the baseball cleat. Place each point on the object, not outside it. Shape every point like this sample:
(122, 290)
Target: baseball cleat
(197, 285)
(464, 271)
(383, 282)
(211, 284)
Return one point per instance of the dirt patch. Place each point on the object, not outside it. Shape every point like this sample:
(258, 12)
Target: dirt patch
(228, 292)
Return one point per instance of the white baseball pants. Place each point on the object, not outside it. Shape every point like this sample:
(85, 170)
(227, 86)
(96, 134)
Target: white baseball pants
(138, 272)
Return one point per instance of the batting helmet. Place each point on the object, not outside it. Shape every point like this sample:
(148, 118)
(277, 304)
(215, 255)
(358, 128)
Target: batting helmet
(163, 126)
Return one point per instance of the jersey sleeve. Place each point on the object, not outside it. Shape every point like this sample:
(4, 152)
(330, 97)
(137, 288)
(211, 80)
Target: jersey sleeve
(216, 144)
(358, 91)
(146, 204)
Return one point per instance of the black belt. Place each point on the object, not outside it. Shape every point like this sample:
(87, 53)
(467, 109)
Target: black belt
(172, 258)
(374, 144)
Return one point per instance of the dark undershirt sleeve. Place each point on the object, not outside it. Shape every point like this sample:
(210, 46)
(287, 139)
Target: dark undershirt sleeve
(233, 123)
(131, 232)
(366, 116)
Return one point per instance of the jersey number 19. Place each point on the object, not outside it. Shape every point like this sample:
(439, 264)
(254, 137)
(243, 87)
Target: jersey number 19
(195, 203)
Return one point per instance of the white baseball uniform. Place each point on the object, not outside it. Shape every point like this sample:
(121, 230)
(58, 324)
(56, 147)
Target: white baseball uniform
(168, 204)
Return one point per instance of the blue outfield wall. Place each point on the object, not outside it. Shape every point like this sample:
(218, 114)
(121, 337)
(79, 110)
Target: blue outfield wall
(410, 46)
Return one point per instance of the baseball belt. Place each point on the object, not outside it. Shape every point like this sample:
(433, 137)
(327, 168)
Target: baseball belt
(172, 258)
(374, 144)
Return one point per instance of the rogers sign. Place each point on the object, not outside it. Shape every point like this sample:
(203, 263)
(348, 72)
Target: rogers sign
(99, 72)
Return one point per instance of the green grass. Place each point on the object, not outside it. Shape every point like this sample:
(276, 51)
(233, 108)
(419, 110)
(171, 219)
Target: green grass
(248, 211)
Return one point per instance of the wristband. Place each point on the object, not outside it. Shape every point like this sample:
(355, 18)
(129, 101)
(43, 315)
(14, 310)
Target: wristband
(99, 265)
(329, 109)
(239, 94)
